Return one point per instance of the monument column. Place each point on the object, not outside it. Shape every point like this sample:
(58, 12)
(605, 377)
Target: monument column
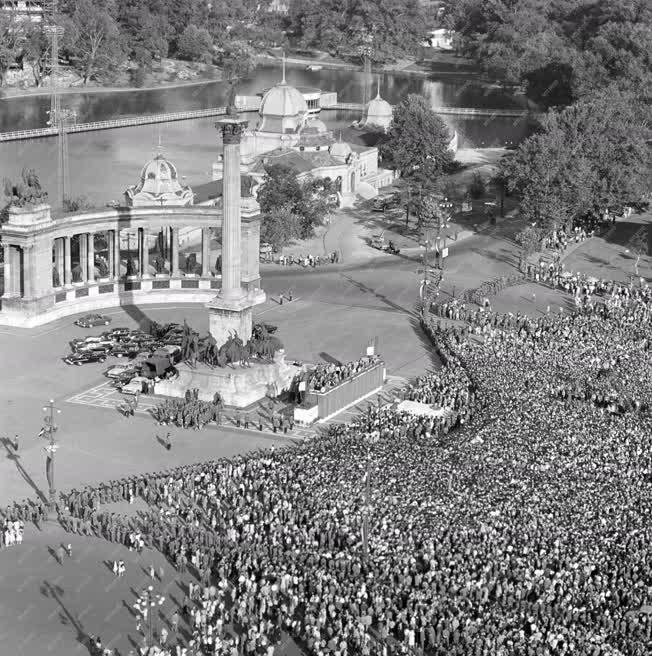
(231, 310)
(67, 262)
(91, 257)
(116, 254)
(205, 252)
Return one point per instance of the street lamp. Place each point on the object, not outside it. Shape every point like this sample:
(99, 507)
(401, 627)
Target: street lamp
(146, 604)
(369, 441)
(48, 431)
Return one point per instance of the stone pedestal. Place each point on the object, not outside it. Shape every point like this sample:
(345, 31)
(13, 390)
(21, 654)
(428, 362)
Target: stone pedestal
(228, 316)
(239, 386)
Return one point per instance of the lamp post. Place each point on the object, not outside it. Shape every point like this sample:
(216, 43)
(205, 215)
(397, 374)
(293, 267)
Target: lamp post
(443, 217)
(367, 499)
(146, 604)
(48, 431)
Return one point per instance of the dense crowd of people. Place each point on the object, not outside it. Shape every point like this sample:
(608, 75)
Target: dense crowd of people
(324, 377)
(525, 532)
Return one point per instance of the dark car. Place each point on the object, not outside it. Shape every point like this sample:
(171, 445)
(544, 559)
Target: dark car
(92, 320)
(125, 350)
(84, 357)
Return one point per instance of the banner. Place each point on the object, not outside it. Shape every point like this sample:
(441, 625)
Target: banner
(49, 471)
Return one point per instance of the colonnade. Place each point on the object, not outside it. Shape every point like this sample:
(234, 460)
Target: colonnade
(62, 247)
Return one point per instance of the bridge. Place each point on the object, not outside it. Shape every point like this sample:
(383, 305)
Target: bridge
(455, 111)
(127, 121)
(250, 105)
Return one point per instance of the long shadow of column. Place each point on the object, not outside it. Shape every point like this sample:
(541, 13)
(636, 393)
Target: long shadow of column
(54, 592)
(22, 471)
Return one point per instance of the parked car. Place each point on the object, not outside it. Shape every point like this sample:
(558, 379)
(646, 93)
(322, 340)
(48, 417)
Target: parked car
(120, 370)
(125, 350)
(84, 357)
(136, 385)
(92, 320)
(118, 332)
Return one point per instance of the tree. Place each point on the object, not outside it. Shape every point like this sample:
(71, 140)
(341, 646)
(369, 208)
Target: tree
(280, 226)
(282, 190)
(477, 187)
(638, 247)
(397, 27)
(586, 158)
(36, 50)
(11, 40)
(416, 145)
(195, 44)
(93, 41)
(237, 61)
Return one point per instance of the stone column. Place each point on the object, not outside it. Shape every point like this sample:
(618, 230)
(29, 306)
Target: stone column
(91, 257)
(110, 236)
(205, 252)
(232, 128)
(83, 255)
(29, 272)
(116, 254)
(67, 266)
(8, 271)
(59, 249)
(143, 246)
(174, 252)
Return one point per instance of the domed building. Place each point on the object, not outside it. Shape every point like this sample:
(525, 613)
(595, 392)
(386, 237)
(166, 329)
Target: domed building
(379, 113)
(288, 132)
(159, 185)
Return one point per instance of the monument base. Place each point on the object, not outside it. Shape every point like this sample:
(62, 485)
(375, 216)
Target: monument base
(228, 316)
(239, 386)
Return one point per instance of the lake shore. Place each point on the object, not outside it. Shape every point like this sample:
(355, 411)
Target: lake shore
(444, 64)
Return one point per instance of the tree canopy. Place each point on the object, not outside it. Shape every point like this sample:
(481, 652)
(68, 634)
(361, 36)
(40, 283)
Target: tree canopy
(290, 208)
(559, 50)
(391, 28)
(416, 144)
(586, 158)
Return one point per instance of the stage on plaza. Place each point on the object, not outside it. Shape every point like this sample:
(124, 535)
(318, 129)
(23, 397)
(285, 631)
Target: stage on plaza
(238, 386)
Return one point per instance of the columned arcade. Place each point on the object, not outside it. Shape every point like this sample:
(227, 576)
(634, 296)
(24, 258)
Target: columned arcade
(102, 258)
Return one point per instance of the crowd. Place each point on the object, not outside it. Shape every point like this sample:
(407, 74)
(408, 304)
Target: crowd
(309, 260)
(559, 240)
(525, 532)
(324, 377)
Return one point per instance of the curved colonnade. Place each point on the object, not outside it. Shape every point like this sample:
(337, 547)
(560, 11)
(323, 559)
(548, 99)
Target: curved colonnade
(52, 266)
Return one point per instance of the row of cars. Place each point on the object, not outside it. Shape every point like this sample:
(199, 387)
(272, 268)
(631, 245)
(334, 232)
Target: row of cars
(148, 357)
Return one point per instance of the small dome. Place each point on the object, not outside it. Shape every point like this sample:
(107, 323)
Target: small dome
(340, 150)
(283, 100)
(379, 112)
(159, 182)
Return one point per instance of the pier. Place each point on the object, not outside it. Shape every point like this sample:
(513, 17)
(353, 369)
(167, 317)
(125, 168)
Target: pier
(125, 122)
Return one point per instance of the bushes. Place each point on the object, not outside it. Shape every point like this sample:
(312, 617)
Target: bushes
(477, 187)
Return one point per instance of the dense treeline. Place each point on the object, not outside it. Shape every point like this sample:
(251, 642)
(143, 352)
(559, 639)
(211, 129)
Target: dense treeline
(559, 50)
(388, 28)
(102, 35)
